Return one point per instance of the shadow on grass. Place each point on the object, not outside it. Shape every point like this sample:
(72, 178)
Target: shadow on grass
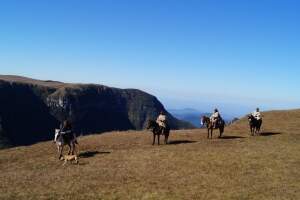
(80, 163)
(88, 154)
(225, 137)
(180, 142)
(269, 133)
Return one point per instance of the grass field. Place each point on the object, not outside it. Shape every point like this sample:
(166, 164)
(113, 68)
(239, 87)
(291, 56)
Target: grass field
(124, 165)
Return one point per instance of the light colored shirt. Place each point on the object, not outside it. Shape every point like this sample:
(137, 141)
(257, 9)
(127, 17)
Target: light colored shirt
(161, 120)
(215, 115)
(257, 115)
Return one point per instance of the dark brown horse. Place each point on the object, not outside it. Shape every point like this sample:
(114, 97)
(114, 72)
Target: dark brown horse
(157, 131)
(210, 127)
(254, 125)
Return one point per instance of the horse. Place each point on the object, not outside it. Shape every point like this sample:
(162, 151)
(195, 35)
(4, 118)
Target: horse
(62, 140)
(209, 125)
(254, 125)
(157, 131)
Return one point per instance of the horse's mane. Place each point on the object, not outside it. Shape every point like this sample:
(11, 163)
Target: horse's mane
(204, 117)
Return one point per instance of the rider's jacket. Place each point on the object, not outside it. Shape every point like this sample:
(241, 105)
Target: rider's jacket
(256, 115)
(161, 120)
(215, 115)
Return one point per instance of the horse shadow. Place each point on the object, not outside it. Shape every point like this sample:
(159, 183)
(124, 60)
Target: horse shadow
(269, 133)
(88, 154)
(176, 142)
(230, 137)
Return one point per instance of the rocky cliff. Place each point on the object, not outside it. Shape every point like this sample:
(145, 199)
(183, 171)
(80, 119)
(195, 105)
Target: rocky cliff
(31, 109)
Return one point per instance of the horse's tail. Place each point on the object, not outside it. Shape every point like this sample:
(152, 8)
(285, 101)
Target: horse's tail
(222, 129)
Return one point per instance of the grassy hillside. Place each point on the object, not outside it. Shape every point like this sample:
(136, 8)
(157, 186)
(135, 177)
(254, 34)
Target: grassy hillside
(123, 165)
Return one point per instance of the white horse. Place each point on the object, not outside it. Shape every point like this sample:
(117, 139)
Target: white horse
(60, 142)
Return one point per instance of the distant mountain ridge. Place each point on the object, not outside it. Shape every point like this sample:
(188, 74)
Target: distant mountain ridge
(189, 114)
(193, 115)
(30, 109)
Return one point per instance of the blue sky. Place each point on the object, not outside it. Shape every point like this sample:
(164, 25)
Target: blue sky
(231, 54)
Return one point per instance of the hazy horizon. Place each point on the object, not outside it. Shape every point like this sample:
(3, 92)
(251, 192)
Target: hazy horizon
(234, 55)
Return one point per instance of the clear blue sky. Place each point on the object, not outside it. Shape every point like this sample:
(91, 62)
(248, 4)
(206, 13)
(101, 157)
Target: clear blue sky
(191, 53)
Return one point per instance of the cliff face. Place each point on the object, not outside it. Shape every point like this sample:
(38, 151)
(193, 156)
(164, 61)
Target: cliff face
(25, 117)
(31, 109)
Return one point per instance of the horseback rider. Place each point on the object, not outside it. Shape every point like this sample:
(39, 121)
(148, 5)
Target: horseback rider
(66, 131)
(162, 121)
(256, 114)
(215, 118)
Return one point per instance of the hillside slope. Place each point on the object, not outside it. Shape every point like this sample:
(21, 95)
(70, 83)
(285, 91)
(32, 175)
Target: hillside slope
(31, 109)
(124, 165)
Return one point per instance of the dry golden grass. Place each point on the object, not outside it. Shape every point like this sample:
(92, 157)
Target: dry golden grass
(124, 165)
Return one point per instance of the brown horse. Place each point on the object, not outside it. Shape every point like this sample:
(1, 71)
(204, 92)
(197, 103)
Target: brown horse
(157, 131)
(209, 125)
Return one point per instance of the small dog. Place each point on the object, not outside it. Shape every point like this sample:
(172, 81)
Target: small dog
(70, 158)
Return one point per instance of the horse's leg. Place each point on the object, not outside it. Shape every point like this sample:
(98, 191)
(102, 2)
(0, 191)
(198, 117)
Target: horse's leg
(207, 132)
(257, 130)
(166, 138)
(73, 147)
(158, 136)
(259, 127)
(153, 139)
(69, 149)
(61, 151)
(58, 148)
(254, 129)
(221, 129)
